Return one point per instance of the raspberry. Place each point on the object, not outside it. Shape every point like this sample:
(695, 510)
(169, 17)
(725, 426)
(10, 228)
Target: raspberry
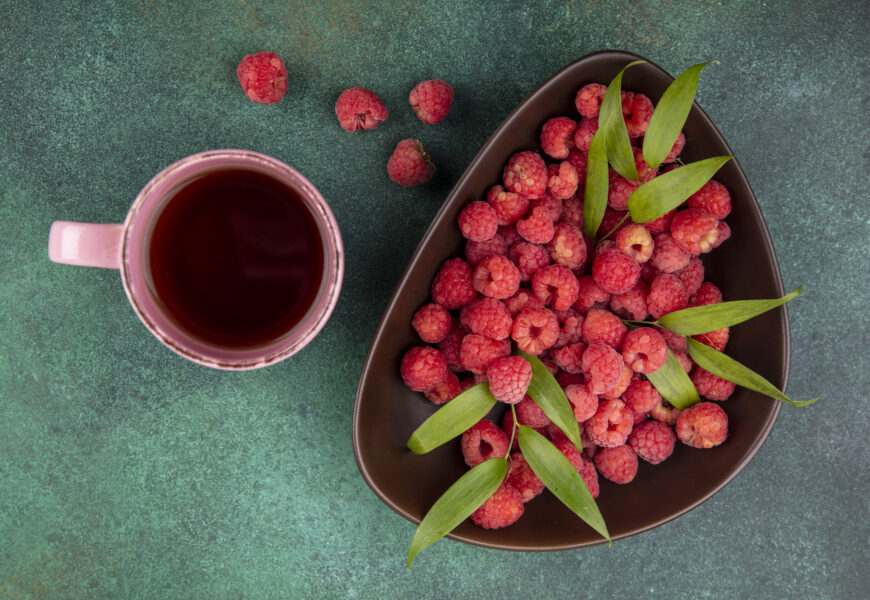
(501, 509)
(522, 479)
(410, 164)
(567, 247)
(641, 396)
(423, 368)
(584, 402)
(637, 120)
(445, 391)
(496, 277)
(631, 304)
(537, 228)
(572, 211)
(570, 327)
(715, 339)
(618, 190)
(601, 247)
(555, 286)
(652, 441)
(636, 241)
(694, 230)
(453, 287)
(703, 425)
(431, 100)
(529, 258)
(263, 77)
(665, 413)
(723, 232)
(450, 345)
(602, 367)
(662, 224)
(585, 468)
(589, 98)
(648, 272)
(557, 137)
(522, 299)
(589, 474)
(477, 251)
(625, 378)
(551, 203)
(615, 271)
(627, 98)
(432, 323)
(359, 109)
(590, 295)
(584, 133)
(675, 341)
(535, 329)
(487, 316)
(526, 175)
(711, 386)
(666, 294)
(562, 182)
(618, 464)
(610, 425)
(508, 206)
(604, 327)
(478, 352)
(509, 378)
(530, 414)
(667, 256)
(482, 441)
(478, 222)
(706, 294)
(684, 360)
(644, 350)
(578, 160)
(679, 143)
(569, 358)
(714, 198)
(692, 275)
(613, 221)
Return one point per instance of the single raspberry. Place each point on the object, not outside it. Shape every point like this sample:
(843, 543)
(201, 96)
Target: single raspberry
(522, 299)
(666, 294)
(714, 198)
(478, 352)
(522, 479)
(477, 251)
(509, 378)
(570, 327)
(615, 271)
(618, 464)
(631, 304)
(555, 286)
(703, 425)
(445, 391)
(508, 206)
(641, 396)
(644, 350)
(584, 133)
(487, 316)
(665, 413)
(706, 294)
(567, 247)
(530, 414)
(496, 277)
(359, 109)
(589, 98)
(432, 323)
(477, 221)
(675, 341)
(482, 441)
(510, 235)
(410, 164)
(501, 509)
(557, 137)
(563, 182)
(685, 361)
(715, 339)
(263, 77)
(431, 100)
(528, 258)
(450, 346)
(569, 358)
(692, 275)
(637, 120)
(453, 287)
(711, 386)
(423, 367)
(636, 241)
(535, 329)
(662, 224)
(618, 190)
(694, 230)
(549, 202)
(610, 425)
(590, 295)
(612, 222)
(652, 441)
(679, 143)
(602, 366)
(620, 386)
(584, 402)
(723, 232)
(526, 175)
(578, 160)
(667, 256)
(604, 327)
(537, 228)
(572, 212)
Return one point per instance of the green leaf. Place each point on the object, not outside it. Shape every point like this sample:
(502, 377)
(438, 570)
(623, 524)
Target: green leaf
(456, 504)
(548, 394)
(710, 317)
(666, 192)
(726, 367)
(670, 115)
(560, 477)
(612, 122)
(674, 384)
(595, 195)
(452, 419)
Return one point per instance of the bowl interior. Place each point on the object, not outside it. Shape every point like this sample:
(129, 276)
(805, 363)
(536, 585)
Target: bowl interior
(386, 412)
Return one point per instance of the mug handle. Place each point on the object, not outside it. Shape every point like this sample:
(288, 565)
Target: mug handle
(86, 244)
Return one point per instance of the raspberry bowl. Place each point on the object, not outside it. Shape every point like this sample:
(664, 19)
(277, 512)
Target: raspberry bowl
(386, 412)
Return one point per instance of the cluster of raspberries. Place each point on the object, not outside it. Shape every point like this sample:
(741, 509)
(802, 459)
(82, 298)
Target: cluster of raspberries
(531, 279)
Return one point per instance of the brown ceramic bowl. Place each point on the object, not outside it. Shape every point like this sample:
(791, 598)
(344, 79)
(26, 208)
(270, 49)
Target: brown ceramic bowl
(386, 412)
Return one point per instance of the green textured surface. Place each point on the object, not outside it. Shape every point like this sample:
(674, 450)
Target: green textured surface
(127, 472)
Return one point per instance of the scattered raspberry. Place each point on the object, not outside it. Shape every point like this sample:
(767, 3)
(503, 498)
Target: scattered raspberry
(572, 211)
(715, 339)
(714, 198)
(604, 327)
(526, 175)
(423, 368)
(706, 294)
(635, 240)
(359, 109)
(453, 286)
(710, 386)
(537, 228)
(667, 256)
(679, 143)
(665, 413)
(644, 350)
(567, 247)
(530, 414)
(692, 275)
(618, 464)
(522, 479)
(508, 206)
(477, 221)
(666, 294)
(610, 425)
(703, 425)
(503, 508)
(477, 251)
(555, 286)
(482, 441)
(694, 230)
(563, 183)
(570, 327)
(615, 271)
(496, 277)
(589, 98)
(509, 378)
(625, 378)
(584, 402)
(638, 118)
(445, 391)
(478, 352)
(487, 316)
(631, 304)
(522, 299)
(528, 258)
(557, 137)
(569, 358)
(652, 441)
(263, 77)
(410, 164)
(590, 295)
(613, 221)
(602, 366)
(431, 100)
(432, 323)
(450, 346)
(641, 396)
(551, 203)
(535, 329)
(584, 133)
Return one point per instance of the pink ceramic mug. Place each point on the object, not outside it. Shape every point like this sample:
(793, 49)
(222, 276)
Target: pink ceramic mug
(126, 247)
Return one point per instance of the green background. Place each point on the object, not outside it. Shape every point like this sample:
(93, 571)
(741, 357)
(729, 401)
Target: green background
(127, 472)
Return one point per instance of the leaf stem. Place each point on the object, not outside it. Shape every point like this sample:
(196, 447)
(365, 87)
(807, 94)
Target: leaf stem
(513, 431)
(633, 322)
(612, 231)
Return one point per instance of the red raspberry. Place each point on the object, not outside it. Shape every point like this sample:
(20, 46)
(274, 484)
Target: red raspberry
(675, 341)
(621, 385)
(714, 198)
(550, 202)
(487, 316)
(715, 339)
(535, 329)
(665, 413)
(601, 247)
(684, 360)
(478, 222)
(602, 366)
(522, 299)
(562, 182)
(508, 206)
(530, 414)
(604, 327)
(537, 228)
(667, 256)
(644, 350)
(610, 425)
(478, 352)
(637, 120)
(641, 396)
(453, 287)
(557, 137)
(666, 294)
(679, 143)
(612, 222)
(263, 77)
(631, 304)
(410, 164)
(615, 271)
(706, 294)
(584, 402)
(509, 378)
(578, 160)
(703, 425)
(662, 224)
(572, 211)
(588, 473)
(723, 232)
(423, 368)
(652, 441)
(555, 286)
(589, 98)
(711, 386)
(482, 441)
(431, 100)
(529, 258)
(510, 235)
(450, 345)
(618, 190)
(496, 277)
(584, 133)
(618, 464)
(570, 327)
(477, 251)
(445, 391)
(567, 247)
(569, 358)
(359, 109)
(526, 175)
(432, 323)
(627, 99)
(503, 508)
(692, 275)
(585, 468)
(590, 295)
(636, 241)
(694, 230)
(521, 477)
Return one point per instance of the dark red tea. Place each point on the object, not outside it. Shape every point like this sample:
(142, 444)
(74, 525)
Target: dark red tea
(236, 257)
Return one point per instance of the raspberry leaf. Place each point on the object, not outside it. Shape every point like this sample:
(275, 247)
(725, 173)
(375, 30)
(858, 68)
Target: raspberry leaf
(656, 197)
(560, 477)
(670, 115)
(461, 499)
(452, 419)
(595, 194)
(710, 317)
(548, 394)
(673, 383)
(612, 123)
(724, 366)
